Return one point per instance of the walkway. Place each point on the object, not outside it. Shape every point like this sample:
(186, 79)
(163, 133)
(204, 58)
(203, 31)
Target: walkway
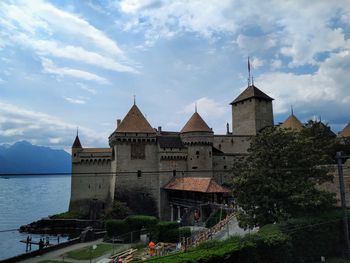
(231, 229)
(57, 254)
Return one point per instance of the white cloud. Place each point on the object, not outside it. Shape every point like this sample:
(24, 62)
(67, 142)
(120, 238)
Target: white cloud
(254, 44)
(75, 53)
(206, 107)
(256, 62)
(17, 123)
(57, 33)
(86, 88)
(75, 101)
(296, 29)
(50, 67)
(55, 140)
(276, 63)
(325, 90)
(37, 15)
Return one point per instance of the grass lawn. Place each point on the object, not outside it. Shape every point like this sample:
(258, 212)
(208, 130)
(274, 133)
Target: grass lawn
(84, 253)
(53, 261)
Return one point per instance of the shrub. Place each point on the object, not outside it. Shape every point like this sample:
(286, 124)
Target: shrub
(184, 232)
(314, 237)
(116, 227)
(118, 211)
(136, 222)
(68, 215)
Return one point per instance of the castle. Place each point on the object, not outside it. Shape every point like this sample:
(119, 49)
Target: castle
(165, 173)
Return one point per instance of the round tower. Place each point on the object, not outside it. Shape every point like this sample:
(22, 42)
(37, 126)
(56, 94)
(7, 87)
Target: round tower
(198, 138)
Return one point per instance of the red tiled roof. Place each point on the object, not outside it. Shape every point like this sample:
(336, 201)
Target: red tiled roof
(135, 122)
(196, 184)
(196, 124)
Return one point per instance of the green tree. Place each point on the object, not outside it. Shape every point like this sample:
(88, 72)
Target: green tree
(278, 179)
(322, 138)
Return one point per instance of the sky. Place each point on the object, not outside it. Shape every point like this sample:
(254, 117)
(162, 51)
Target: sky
(68, 64)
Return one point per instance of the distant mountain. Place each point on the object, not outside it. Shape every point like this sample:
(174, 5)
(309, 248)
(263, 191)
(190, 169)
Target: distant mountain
(23, 157)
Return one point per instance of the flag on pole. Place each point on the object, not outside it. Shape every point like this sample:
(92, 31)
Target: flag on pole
(248, 72)
(248, 65)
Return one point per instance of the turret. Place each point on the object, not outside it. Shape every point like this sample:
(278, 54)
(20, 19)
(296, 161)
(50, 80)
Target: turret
(76, 148)
(198, 138)
(292, 123)
(345, 132)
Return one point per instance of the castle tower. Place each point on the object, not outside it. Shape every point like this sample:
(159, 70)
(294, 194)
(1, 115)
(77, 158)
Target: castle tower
(251, 112)
(292, 123)
(198, 138)
(135, 163)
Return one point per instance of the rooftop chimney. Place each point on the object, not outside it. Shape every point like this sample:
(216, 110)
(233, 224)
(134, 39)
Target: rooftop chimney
(118, 122)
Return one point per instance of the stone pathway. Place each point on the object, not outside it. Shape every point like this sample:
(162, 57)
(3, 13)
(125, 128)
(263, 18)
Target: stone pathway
(57, 254)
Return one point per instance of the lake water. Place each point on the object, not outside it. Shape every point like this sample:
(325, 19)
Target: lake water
(26, 199)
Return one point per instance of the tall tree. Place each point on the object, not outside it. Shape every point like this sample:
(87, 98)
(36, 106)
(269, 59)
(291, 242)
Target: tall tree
(322, 138)
(278, 180)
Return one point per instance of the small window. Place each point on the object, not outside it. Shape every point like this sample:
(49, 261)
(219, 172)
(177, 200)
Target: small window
(197, 152)
(209, 153)
(219, 146)
(139, 174)
(89, 186)
(99, 186)
(174, 173)
(194, 167)
(75, 154)
(225, 167)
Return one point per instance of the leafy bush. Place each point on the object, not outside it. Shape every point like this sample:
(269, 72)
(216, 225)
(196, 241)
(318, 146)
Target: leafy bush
(184, 232)
(68, 215)
(116, 227)
(118, 211)
(136, 222)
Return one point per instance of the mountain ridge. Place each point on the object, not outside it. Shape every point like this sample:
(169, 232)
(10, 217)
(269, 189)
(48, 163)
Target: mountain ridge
(24, 157)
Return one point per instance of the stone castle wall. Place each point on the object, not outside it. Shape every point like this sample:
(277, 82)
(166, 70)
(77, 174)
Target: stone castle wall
(91, 180)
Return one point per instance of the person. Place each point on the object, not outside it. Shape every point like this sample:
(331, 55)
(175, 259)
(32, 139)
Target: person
(30, 244)
(27, 243)
(151, 247)
(58, 239)
(47, 243)
(41, 244)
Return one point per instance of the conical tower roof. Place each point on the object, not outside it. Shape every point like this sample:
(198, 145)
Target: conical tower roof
(292, 123)
(346, 131)
(196, 124)
(76, 143)
(135, 122)
(251, 92)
